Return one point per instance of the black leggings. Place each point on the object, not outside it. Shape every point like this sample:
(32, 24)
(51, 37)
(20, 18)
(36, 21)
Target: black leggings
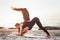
(32, 23)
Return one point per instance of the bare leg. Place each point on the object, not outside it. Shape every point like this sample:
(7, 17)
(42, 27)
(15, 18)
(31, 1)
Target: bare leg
(24, 12)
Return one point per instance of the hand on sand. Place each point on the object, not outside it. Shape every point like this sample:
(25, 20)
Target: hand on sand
(20, 34)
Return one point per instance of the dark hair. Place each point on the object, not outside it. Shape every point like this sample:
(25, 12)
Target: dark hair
(17, 24)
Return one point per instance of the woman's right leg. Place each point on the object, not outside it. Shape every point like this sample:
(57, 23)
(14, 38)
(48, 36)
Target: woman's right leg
(33, 21)
(37, 21)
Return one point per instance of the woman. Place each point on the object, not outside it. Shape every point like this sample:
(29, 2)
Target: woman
(28, 24)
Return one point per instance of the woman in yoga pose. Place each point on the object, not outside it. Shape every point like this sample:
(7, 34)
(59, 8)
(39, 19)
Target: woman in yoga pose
(28, 24)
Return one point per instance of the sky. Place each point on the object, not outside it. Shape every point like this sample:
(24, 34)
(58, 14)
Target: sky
(48, 11)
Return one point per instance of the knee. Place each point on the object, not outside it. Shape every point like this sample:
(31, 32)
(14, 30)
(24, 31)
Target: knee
(35, 18)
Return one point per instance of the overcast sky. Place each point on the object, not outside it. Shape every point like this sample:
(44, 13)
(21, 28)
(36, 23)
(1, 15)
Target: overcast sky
(48, 11)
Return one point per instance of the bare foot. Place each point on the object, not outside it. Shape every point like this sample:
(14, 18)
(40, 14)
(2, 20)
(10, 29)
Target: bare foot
(17, 9)
(13, 8)
(48, 36)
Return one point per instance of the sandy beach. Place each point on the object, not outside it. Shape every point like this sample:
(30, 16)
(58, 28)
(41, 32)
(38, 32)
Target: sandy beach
(31, 35)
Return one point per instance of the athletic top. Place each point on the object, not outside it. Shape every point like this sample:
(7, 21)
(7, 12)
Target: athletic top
(25, 24)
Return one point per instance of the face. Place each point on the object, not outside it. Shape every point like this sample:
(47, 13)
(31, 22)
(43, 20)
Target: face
(17, 26)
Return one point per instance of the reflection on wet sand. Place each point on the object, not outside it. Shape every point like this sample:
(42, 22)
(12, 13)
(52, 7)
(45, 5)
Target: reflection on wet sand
(9, 34)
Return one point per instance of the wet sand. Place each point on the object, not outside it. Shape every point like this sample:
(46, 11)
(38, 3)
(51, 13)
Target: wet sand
(55, 35)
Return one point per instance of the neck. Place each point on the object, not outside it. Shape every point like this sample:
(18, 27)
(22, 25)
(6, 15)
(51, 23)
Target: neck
(18, 30)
